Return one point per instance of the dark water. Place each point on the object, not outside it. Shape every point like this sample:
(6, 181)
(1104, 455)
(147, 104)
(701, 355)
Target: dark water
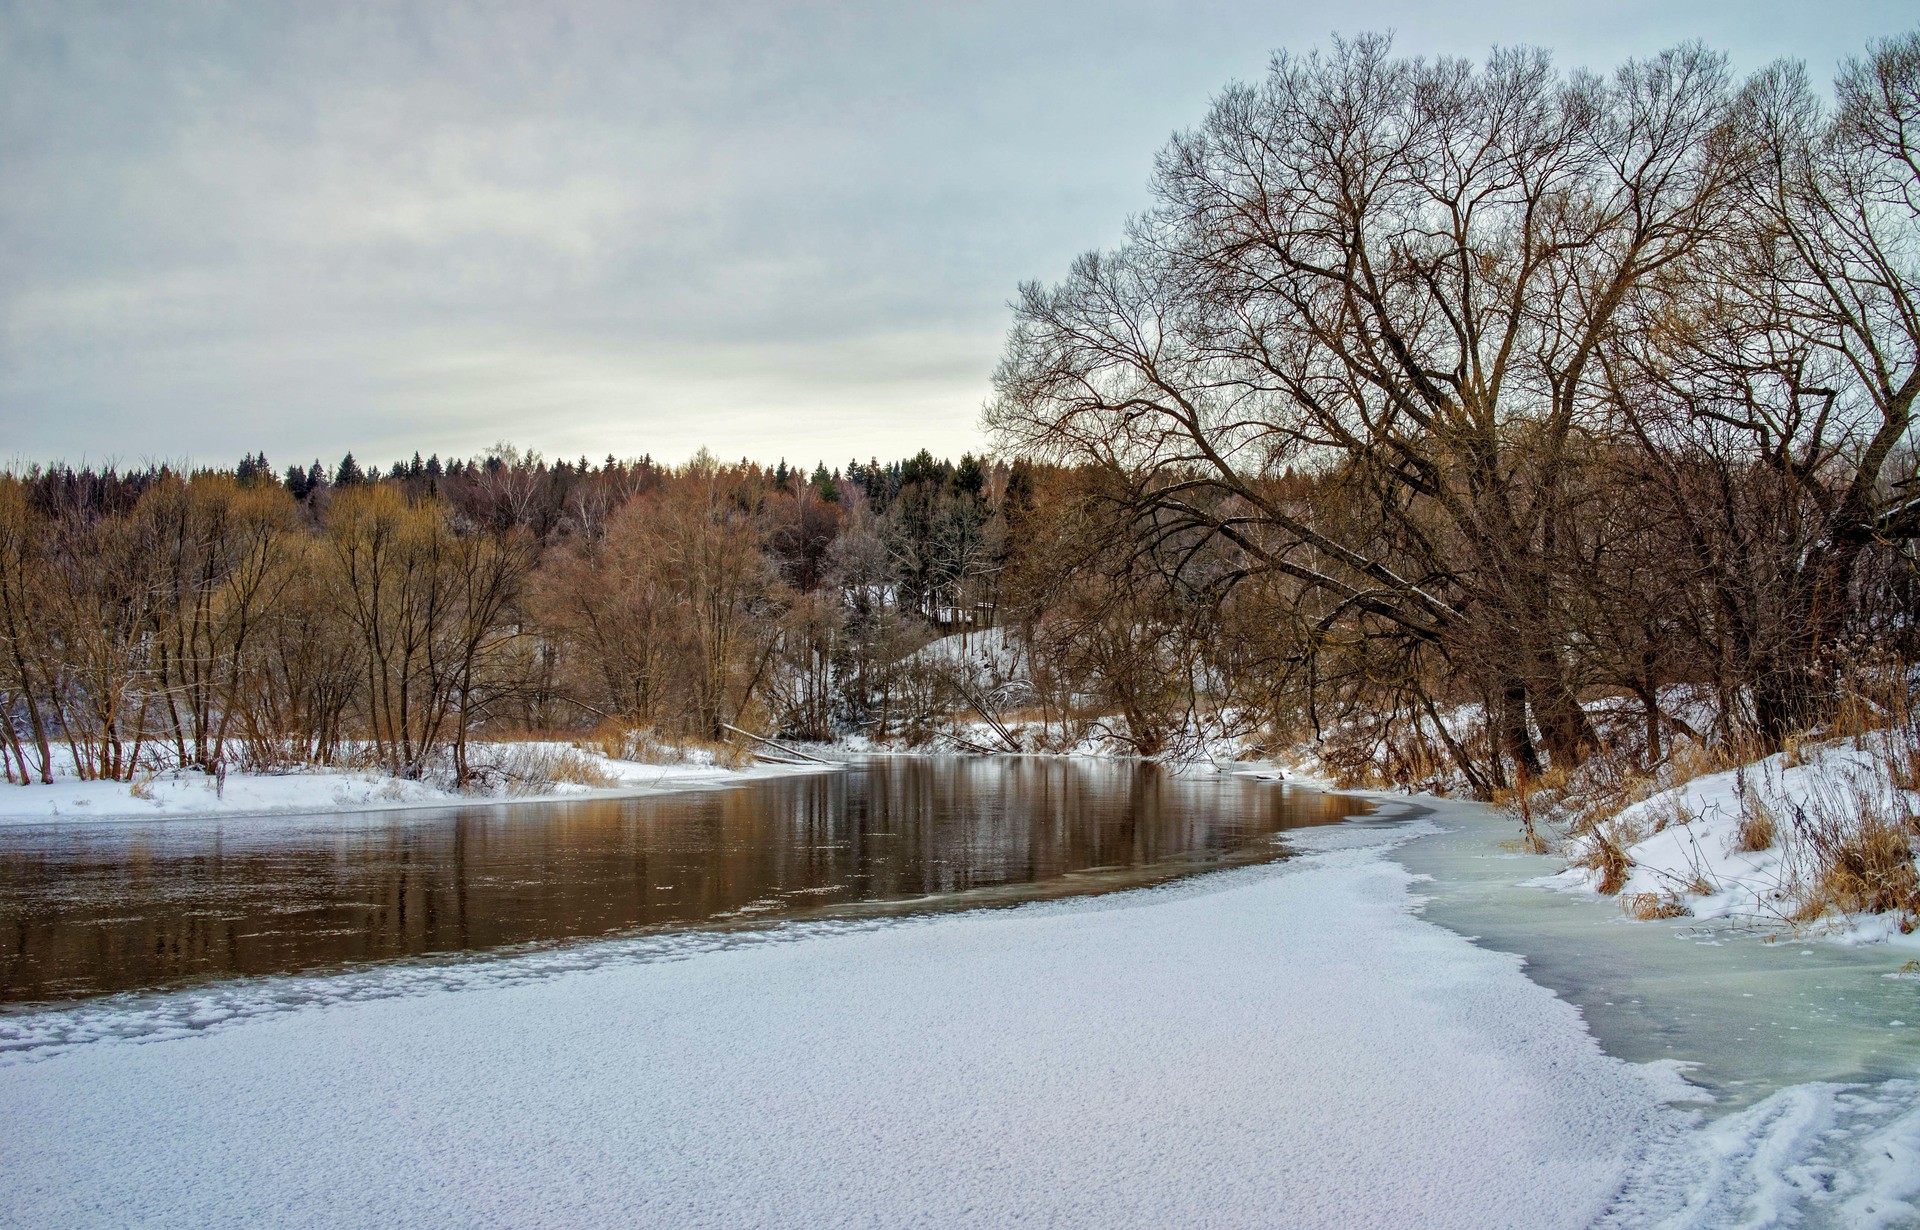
(104, 907)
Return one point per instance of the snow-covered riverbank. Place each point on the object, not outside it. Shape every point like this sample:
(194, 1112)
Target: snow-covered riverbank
(1284, 1045)
(190, 792)
(1813, 842)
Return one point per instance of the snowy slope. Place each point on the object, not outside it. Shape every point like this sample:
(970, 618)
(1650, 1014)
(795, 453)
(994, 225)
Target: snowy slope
(1684, 842)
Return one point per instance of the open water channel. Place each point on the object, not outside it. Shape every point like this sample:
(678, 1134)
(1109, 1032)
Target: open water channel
(98, 907)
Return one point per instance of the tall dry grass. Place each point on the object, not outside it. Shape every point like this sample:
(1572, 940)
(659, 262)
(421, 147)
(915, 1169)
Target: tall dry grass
(647, 745)
(533, 768)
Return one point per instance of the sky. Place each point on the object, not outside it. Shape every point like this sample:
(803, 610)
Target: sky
(771, 230)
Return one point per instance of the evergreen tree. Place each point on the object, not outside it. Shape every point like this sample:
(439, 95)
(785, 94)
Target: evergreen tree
(253, 469)
(969, 478)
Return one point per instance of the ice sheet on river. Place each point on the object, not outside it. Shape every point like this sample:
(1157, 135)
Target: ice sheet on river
(1281, 1046)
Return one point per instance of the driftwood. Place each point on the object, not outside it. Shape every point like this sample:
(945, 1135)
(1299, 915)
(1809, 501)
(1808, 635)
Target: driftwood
(794, 752)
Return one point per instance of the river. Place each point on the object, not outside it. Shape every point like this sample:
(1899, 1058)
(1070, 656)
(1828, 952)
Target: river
(95, 907)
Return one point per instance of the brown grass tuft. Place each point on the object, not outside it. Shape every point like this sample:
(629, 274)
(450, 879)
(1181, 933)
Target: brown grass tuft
(530, 768)
(1758, 830)
(1867, 869)
(1903, 756)
(1648, 906)
(647, 745)
(1604, 854)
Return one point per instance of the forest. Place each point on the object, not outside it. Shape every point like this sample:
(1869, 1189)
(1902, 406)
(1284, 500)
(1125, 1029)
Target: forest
(1462, 421)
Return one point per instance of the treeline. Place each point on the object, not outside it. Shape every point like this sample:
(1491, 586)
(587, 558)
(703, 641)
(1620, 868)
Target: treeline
(1432, 398)
(1489, 391)
(155, 617)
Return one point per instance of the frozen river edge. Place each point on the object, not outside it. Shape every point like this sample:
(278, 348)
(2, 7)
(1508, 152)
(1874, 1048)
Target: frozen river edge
(1290, 1044)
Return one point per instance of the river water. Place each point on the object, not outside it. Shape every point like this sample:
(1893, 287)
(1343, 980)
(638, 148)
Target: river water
(100, 907)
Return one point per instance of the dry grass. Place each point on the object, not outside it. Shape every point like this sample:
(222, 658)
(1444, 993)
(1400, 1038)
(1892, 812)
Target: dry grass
(530, 768)
(647, 745)
(1758, 829)
(1606, 856)
(1649, 906)
(1903, 756)
(1863, 868)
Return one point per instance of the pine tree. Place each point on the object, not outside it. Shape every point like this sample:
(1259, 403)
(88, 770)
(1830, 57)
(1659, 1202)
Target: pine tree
(253, 469)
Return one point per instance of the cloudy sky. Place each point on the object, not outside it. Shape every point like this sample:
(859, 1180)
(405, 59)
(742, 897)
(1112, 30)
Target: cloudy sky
(776, 230)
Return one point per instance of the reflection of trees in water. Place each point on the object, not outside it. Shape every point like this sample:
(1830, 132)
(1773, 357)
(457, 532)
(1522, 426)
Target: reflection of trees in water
(96, 911)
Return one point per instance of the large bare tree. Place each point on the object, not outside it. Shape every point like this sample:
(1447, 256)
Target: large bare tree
(1403, 271)
(1791, 366)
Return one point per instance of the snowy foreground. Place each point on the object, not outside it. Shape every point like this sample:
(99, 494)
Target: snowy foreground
(190, 792)
(1280, 1046)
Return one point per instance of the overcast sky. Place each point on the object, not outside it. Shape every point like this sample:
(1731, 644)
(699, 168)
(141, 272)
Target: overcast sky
(773, 230)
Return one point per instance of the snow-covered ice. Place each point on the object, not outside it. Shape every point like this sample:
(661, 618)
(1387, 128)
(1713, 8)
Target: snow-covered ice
(1287, 1045)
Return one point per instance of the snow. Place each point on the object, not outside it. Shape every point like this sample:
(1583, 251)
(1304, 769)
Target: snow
(1283, 1045)
(189, 792)
(990, 655)
(1686, 838)
(1831, 1154)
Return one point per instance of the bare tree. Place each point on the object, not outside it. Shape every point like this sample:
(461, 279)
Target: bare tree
(1401, 272)
(1790, 368)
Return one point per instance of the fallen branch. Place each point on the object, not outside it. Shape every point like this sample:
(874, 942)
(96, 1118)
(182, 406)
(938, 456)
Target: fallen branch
(775, 746)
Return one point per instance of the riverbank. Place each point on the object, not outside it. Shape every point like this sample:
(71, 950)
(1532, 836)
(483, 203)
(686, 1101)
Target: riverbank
(1291, 1044)
(1815, 841)
(539, 771)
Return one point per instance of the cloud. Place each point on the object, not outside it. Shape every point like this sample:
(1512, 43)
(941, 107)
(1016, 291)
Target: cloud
(770, 227)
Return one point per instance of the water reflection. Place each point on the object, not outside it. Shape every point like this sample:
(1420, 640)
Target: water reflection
(110, 907)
